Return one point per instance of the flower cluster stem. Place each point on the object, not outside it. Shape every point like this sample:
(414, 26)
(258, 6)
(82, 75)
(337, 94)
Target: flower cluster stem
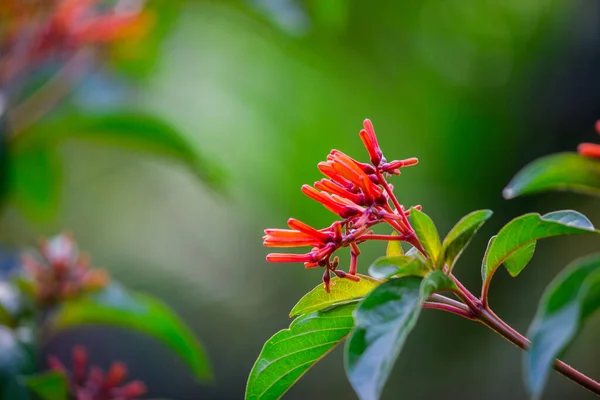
(491, 320)
(481, 312)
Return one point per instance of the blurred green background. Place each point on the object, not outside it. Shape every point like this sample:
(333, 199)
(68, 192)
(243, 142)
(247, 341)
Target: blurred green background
(266, 88)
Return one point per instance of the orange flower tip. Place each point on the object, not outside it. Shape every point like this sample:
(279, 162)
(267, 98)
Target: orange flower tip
(591, 150)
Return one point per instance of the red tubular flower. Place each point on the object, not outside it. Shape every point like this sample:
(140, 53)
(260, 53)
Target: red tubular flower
(360, 195)
(333, 188)
(96, 385)
(308, 230)
(369, 139)
(591, 150)
(284, 257)
(341, 208)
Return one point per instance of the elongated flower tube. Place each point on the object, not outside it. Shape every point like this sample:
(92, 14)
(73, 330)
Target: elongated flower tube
(359, 194)
(591, 150)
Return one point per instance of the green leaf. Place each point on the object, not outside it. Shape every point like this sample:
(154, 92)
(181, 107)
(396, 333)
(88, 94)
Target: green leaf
(460, 236)
(426, 232)
(383, 320)
(291, 352)
(16, 358)
(563, 171)
(567, 302)
(34, 179)
(524, 230)
(394, 248)
(49, 386)
(132, 130)
(341, 291)
(117, 307)
(519, 259)
(387, 267)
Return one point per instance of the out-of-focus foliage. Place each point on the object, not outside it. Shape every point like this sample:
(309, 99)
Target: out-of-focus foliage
(267, 88)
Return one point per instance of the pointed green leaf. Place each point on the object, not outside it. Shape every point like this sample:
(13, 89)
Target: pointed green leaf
(341, 291)
(129, 310)
(524, 230)
(132, 130)
(291, 352)
(49, 386)
(387, 267)
(394, 247)
(383, 320)
(460, 236)
(518, 260)
(569, 299)
(35, 179)
(563, 171)
(426, 232)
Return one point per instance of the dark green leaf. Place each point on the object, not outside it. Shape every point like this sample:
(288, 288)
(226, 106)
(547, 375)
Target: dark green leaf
(524, 230)
(459, 237)
(35, 179)
(387, 267)
(49, 386)
(426, 232)
(569, 299)
(563, 171)
(291, 352)
(117, 307)
(17, 357)
(383, 320)
(133, 130)
(341, 291)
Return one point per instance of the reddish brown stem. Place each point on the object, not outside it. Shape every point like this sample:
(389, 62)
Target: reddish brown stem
(449, 308)
(491, 320)
(486, 316)
(392, 196)
(382, 237)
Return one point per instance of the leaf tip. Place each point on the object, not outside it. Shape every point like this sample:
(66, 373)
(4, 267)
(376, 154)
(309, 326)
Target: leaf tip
(509, 192)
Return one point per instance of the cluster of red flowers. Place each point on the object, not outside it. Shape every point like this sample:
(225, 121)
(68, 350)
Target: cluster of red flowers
(33, 30)
(590, 149)
(61, 271)
(359, 194)
(95, 384)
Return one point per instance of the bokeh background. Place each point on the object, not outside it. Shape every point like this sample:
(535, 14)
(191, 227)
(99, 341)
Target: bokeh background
(266, 88)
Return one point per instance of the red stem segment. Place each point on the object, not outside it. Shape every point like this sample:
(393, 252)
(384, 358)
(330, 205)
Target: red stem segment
(491, 320)
(486, 316)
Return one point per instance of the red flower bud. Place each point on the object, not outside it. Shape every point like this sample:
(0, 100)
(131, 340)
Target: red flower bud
(369, 139)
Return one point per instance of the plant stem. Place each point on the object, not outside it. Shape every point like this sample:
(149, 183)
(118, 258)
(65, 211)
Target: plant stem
(382, 237)
(449, 308)
(486, 316)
